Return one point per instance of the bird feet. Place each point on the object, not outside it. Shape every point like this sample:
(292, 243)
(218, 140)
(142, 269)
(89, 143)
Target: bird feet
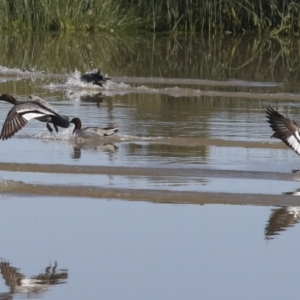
(49, 128)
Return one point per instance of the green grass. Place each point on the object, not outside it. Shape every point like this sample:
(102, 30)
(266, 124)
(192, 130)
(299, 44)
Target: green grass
(272, 17)
(103, 15)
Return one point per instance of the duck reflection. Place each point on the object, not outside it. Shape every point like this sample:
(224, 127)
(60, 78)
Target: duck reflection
(280, 220)
(18, 283)
(87, 96)
(93, 98)
(106, 147)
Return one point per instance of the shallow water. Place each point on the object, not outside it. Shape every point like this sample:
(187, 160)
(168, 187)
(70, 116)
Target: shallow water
(165, 208)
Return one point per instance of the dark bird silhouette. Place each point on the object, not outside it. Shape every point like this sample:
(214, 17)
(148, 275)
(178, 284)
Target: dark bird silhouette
(94, 78)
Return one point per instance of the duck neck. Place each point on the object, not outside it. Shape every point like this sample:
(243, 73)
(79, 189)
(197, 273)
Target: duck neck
(77, 124)
(9, 98)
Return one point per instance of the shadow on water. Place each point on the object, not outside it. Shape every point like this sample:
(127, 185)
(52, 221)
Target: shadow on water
(280, 220)
(34, 286)
(78, 147)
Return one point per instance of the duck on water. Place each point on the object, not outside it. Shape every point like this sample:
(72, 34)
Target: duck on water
(92, 131)
(94, 78)
(24, 111)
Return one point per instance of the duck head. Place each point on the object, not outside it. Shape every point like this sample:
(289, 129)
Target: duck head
(77, 123)
(8, 98)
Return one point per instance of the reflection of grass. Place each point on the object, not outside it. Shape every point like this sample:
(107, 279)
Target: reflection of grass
(274, 16)
(155, 55)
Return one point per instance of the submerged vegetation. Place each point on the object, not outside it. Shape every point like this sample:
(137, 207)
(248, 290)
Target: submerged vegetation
(207, 16)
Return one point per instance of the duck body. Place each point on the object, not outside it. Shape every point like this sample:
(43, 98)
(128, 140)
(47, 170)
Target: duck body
(92, 131)
(285, 129)
(24, 111)
(60, 120)
(94, 78)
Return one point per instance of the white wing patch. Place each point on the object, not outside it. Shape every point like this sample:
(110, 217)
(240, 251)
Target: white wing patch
(294, 142)
(32, 115)
(297, 135)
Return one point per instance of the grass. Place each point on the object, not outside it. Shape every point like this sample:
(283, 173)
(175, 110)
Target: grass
(66, 15)
(273, 17)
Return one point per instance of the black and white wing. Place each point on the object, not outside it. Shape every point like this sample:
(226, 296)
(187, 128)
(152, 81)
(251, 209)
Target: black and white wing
(19, 116)
(284, 129)
(42, 102)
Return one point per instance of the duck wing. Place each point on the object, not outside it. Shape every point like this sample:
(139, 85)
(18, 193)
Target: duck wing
(13, 123)
(41, 101)
(56, 119)
(284, 129)
(19, 116)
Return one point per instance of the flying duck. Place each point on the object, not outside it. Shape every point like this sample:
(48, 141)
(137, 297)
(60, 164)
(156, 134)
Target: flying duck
(55, 121)
(92, 131)
(94, 78)
(23, 111)
(284, 129)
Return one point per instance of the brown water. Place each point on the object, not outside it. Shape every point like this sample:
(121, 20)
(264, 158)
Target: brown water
(208, 199)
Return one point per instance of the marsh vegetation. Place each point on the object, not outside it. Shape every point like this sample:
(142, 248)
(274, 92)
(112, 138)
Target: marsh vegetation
(272, 17)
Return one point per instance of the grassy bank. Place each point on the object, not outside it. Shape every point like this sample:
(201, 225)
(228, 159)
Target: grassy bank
(208, 16)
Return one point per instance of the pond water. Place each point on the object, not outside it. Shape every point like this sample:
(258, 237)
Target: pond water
(191, 198)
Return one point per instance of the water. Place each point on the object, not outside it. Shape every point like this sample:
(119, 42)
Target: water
(190, 198)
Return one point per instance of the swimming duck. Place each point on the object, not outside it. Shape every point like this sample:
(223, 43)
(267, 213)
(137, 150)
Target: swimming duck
(92, 131)
(23, 111)
(284, 129)
(94, 78)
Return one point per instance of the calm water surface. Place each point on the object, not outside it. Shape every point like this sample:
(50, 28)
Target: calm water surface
(191, 198)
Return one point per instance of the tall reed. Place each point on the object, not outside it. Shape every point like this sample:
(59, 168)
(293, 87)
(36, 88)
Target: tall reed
(274, 17)
(66, 15)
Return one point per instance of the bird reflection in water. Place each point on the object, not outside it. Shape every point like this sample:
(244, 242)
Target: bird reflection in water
(93, 98)
(106, 147)
(280, 220)
(18, 283)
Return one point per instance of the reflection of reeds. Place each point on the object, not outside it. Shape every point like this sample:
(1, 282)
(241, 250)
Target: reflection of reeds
(155, 55)
(273, 16)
